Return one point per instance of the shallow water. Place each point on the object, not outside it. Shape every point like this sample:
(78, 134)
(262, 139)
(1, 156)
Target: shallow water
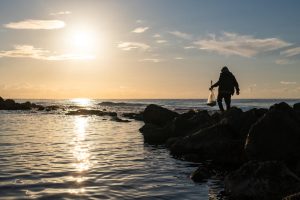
(50, 155)
(54, 156)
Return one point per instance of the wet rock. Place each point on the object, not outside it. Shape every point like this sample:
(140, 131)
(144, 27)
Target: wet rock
(261, 180)
(135, 116)
(219, 143)
(275, 136)
(158, 115)
(1, 99)
(51, 108)
(117, 119)
(201, 174)
(295, 196)
(154, 134)
(91, 112)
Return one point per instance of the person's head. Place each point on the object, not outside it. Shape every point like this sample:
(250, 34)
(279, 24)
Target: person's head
(225, 69)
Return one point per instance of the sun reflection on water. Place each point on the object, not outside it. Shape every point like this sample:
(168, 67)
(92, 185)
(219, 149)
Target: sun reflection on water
(80, 151)
(82, 101)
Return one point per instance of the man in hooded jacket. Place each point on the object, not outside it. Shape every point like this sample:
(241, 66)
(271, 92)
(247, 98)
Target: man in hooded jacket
(227, 83)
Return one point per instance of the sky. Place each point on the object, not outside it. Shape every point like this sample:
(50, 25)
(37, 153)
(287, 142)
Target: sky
(140, 49)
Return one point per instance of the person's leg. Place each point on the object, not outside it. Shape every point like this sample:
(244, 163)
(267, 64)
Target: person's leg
(219, 100)
(227, 99)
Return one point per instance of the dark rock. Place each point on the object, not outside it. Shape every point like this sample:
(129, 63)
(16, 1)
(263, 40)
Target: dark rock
(275, 136)
(135, 116)
(1, 99)
(158, 115)
(219, 143)
(201, 174)
(154, 134)
(117, 119)
(190, 122)
(261, 180)
(51, 108)
(295, 196)
(92, 112)
(296, 107)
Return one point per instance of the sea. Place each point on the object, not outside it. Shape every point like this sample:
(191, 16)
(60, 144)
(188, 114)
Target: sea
(51, 155)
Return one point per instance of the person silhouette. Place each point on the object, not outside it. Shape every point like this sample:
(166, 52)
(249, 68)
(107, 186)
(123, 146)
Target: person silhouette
(226, 83)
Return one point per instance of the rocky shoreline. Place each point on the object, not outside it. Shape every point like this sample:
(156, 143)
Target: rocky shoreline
(257, 151)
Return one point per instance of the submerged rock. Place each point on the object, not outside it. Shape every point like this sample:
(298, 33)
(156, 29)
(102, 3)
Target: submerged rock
(261, 180)
(117, 119)
(158, 115)
(92, 112)
(135, 116)
(202, 173)
(276, 136)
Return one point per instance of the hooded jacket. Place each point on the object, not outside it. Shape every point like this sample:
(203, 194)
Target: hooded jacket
(227, 83)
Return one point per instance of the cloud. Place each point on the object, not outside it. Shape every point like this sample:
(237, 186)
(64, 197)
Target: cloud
(178, 58)
(154, 60)
(127, 46)
(161, 41)
(28, 51)
(190, 47)
(157, 35)
(240, 45)
(291, 52)
(181, 35)
(61, 13)
(36, 24)
(288, 83)
(140, 29)
(283, 62)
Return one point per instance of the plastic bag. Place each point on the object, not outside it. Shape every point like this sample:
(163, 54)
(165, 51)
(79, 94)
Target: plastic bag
(211, 101)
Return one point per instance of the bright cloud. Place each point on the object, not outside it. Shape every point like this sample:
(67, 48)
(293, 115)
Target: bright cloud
(157, 36)
(127, 46)
(140, 29)
(36, 24)
(288, 83)
(283, 62)
(154, 60)
(241, 45)
(161, 41)
(61, 13)
(291, 52)
(181, 35)
(178, 58)
(28, 51)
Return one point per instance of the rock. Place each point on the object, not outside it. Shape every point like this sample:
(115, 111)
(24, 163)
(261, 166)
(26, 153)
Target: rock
(158, 115)
(295, 196)
(135, 116)
(296, 107)
(117, 119)
(190, 122)
(201, 174)
(154, 134)
(51, 108)
(1, 99)
(218, 143)
(275, 136)
(91, 112)
(261, 180)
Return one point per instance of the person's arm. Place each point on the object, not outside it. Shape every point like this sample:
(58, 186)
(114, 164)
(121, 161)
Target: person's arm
(236, 85)
(216, 84)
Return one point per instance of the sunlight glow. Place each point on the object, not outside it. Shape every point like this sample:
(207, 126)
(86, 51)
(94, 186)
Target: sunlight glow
(81, 101)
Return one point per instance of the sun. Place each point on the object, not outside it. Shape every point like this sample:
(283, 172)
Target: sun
(83, 40)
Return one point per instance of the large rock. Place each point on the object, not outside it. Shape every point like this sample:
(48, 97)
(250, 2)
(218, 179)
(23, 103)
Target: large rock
(154, 134)
(297, 107)
(270, 180)
(276, 136)
(218, 143)
(190, 122)
(158, 115)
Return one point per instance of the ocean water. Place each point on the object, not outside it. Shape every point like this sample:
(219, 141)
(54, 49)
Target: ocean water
(50, 155)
